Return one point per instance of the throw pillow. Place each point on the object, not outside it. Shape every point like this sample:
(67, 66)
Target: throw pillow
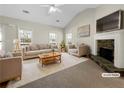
(2, 53)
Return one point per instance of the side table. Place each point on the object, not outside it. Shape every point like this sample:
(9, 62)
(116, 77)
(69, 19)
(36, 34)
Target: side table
(17, 53)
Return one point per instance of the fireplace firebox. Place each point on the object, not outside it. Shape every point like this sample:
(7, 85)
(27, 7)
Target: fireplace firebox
(105, 49)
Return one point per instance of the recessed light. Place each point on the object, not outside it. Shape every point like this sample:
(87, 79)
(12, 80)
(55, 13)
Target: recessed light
(57, 20)
(25, 11)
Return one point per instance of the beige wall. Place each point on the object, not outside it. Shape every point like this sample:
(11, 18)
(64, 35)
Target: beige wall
(104, 10)
(40, 31)
(84, 18)
(89, 16)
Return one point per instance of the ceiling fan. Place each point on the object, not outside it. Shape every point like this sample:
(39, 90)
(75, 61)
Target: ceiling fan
(53, 8)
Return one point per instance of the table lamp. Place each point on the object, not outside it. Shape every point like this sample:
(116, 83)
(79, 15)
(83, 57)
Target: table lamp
(16, 44)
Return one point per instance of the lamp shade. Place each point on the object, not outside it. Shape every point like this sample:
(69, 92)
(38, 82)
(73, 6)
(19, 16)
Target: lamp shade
(16, 44)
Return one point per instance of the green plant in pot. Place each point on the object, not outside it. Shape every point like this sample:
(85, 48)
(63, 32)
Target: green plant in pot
(62, 45)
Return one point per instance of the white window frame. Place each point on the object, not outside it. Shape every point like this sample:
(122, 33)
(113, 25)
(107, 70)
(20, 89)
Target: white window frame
(24, 31)
(69, 37)
(1, 43)
(52, 38)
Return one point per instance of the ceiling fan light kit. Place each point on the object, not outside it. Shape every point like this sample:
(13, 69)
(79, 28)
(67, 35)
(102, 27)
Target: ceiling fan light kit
(53, 8)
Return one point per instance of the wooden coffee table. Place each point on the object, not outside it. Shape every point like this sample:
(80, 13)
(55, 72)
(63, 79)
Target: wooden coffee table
(48, 58)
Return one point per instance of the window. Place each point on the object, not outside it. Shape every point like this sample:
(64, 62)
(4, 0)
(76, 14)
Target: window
(69, 38)
(0, 38)
(25, 36)
(52, 38)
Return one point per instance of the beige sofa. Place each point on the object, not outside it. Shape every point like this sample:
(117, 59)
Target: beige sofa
(10, 68)
(80, 50)
(32, 51)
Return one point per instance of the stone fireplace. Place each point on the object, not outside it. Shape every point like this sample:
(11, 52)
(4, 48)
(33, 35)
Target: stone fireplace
(105, 49)
(112, 44)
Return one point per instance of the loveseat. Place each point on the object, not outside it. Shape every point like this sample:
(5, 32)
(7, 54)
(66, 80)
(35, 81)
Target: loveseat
(33, 50)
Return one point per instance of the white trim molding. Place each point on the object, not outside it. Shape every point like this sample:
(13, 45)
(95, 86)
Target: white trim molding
(116, 35)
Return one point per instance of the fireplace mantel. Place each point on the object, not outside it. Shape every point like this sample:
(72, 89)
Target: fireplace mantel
(118, 37)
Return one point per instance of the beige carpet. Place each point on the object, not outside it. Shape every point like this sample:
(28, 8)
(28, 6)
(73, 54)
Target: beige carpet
(32, 69)
(84, 75)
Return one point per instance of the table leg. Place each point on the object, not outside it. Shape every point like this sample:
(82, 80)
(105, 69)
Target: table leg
(60, 59)
(42, 63)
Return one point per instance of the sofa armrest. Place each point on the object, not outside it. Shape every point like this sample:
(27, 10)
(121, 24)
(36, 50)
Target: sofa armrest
(8, 59)
(83, 50)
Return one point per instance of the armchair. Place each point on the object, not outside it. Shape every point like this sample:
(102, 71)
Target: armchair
(80, 50)
(10, 68)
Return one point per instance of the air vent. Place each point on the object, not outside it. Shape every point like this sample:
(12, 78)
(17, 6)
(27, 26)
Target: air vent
(57, 21)
(25, 11)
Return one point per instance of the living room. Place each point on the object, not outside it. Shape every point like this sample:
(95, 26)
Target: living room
(31, 35)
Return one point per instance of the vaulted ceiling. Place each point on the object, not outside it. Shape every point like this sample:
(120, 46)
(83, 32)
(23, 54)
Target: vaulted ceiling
(40, 14)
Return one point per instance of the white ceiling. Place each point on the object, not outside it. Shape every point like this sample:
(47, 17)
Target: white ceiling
(40, 14)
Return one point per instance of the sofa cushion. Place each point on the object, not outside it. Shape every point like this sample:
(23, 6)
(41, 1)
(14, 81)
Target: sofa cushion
(73, 50)
(36, 52)
(30, 53)
(34, 47)
(6, 55)
(9, 54)
(2, 53)
(45, 51)
(44, 46)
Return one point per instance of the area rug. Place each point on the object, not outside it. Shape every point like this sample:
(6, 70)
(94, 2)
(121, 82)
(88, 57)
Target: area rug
(83, 75)
(32, 70)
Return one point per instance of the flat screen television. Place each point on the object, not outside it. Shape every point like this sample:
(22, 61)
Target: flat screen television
(111, 22)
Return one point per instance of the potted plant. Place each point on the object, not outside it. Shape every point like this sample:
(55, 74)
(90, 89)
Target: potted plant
(62, 46)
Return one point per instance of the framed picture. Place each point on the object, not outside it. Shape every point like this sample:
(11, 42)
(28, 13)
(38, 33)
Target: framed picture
(84, 31)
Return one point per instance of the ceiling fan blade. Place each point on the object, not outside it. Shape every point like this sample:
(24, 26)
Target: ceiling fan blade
(58, 10)
(50, 10)
(54, 10)
(48, 5)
